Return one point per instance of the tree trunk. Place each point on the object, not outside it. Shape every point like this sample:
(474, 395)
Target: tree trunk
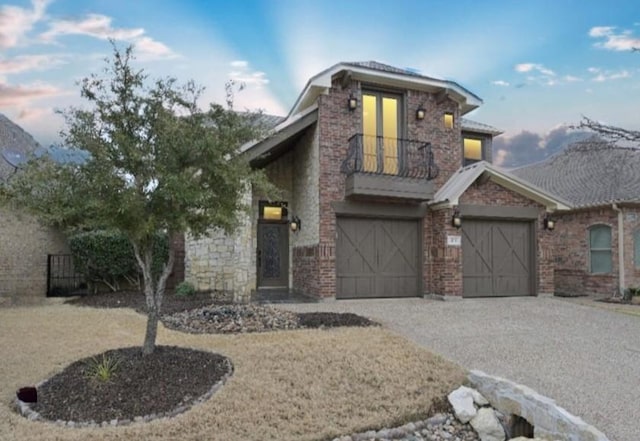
(153, 292)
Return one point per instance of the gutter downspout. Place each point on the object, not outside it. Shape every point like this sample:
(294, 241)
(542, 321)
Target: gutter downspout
(621, 286)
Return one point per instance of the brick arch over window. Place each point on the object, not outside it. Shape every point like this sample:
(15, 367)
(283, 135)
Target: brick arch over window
(600, 253)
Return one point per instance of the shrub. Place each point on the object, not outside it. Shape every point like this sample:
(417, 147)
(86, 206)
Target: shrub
(185, 289)
(107, 257)
(102, 369)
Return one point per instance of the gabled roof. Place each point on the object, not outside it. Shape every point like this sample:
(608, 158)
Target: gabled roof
(373, 71)
(589, 173)
(450, 193)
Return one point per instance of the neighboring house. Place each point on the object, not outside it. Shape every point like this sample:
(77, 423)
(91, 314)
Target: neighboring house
(24, 242)
(602, 183)
(376, 163)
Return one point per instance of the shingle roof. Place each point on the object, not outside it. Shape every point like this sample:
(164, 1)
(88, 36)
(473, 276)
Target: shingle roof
(13, 141)
(588, 173)
(475, 126)
(375, 65)
(460, 181)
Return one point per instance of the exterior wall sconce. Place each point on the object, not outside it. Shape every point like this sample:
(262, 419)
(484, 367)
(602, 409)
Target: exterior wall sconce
(295, 224)
(352, 102)
(549, 223)
(421, 113)
(456, 219)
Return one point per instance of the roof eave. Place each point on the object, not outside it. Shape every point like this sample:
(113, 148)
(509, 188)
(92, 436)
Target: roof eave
(321, 82)
(453, 189)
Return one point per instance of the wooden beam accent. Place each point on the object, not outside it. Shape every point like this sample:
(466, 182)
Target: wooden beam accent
(346, 79)
(442, 96)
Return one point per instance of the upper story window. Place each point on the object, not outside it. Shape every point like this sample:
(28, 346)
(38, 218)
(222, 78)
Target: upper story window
(381, 128)
(448, 120)
(600, 249)
(472, 150)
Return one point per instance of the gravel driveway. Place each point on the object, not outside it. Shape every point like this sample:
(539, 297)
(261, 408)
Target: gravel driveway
(586, 358)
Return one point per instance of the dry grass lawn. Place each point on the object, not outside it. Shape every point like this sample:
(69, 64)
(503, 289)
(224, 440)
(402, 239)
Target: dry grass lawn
(288, 385)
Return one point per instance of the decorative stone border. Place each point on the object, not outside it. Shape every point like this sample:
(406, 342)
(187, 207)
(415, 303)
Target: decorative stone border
(548, 419)
(26, 411)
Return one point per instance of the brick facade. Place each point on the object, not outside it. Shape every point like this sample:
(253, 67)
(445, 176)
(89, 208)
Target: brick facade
(336, 124)
(312, 181)
(24, 245)
(572, 272)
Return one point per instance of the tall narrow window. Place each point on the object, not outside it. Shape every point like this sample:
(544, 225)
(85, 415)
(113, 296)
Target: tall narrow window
(600, 249)
(472, 150)
(381, 130)
(636, 248)
(448, 120)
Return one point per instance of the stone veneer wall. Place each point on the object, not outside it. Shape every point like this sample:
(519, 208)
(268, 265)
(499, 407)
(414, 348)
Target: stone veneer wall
(336, 124)
(306, 205)
(444, 264)
(572, 251)
(223, 262)
(24, 245)
(228, 262)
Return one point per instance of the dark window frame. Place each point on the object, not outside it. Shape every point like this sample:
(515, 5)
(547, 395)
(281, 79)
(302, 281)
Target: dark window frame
(482, 140)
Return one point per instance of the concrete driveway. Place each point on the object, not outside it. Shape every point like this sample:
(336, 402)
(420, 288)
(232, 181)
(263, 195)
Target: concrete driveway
(586, 358)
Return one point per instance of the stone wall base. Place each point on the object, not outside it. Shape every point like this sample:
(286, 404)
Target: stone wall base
(548, 419)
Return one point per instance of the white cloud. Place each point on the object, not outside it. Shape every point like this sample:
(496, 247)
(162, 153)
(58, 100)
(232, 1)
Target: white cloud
(26, 63)
(500, 83)
(571, 78)
(94, 25)
(16, 22)
(609, 75)
(593, 69)
(614, 40)
(534, 67)
(242, 74)
(34, 113)
(21, 95)
(601, 31)
(150, 49)
(100, 26)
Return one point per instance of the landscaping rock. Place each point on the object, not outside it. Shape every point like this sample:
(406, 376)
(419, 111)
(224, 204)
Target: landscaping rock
(487, 426)
(462, 401)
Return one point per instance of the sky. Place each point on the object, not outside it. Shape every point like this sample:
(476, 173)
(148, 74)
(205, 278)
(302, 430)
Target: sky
(538, 65)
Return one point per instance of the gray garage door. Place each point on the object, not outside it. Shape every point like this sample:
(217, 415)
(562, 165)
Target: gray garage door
(497, 258)
(377, 258)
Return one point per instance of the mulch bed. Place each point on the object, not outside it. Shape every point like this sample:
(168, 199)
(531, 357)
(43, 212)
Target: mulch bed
(158, 383)
(171, 303)
(171, 377)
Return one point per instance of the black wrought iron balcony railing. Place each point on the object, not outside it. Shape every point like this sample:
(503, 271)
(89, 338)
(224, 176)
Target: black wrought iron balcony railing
(389, 156)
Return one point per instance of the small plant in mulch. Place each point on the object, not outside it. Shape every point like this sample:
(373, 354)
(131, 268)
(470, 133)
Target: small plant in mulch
(102, 369)
(123, 384)
(185, 289)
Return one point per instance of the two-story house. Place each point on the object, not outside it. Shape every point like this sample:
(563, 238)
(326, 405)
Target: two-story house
(387, 191)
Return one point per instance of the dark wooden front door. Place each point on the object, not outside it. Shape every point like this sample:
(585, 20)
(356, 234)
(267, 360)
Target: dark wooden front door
(273, 255)
(497, 258)
(377, 258)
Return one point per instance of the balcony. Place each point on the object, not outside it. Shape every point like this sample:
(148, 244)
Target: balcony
(389, 168)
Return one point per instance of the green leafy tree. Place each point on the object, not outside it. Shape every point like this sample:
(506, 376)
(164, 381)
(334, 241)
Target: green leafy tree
(156, 164)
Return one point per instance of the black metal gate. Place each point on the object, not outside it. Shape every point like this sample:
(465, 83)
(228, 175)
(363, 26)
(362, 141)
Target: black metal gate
(62, 279)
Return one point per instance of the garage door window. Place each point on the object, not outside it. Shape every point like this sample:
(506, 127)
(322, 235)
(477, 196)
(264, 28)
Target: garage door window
(600, 249)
